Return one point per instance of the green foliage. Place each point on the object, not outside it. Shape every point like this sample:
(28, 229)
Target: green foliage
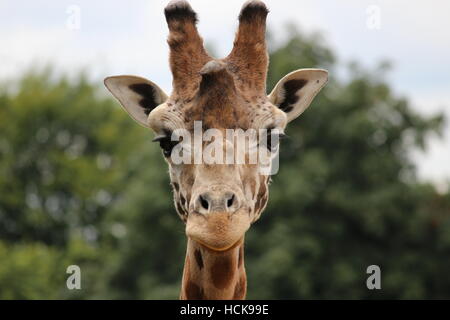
(346, 195)
(80, 183)
(29, 272)
(62, 163)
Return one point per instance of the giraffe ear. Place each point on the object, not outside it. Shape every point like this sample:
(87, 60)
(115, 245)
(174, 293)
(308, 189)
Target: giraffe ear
(138, 96)
(294, 93)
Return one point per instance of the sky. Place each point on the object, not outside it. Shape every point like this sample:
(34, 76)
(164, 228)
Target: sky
(129, 37)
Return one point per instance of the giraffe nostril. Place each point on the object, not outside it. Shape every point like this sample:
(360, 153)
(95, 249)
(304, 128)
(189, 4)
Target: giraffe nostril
(216, 201)
(204, 203)
(230, 201)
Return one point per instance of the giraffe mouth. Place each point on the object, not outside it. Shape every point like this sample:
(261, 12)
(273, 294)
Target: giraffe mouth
(219, 249)
(218, 231)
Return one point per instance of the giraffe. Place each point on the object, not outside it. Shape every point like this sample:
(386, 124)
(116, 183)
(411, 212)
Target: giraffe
(217, 202)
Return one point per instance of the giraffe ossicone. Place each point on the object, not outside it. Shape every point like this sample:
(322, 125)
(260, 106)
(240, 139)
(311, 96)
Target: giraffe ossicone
(218, 202)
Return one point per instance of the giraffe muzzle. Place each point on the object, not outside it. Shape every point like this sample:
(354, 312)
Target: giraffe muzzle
(218, 231)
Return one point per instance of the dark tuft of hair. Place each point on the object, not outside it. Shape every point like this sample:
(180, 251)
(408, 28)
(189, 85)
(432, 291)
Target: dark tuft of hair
(180, 10)
(253, 9)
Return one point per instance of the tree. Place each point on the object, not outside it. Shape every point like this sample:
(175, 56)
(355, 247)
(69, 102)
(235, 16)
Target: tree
(62, 167)
(347, 197)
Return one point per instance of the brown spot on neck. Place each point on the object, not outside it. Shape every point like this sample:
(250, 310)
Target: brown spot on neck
(199, 259)
(193, 291)
(223, 270)
(210, 274)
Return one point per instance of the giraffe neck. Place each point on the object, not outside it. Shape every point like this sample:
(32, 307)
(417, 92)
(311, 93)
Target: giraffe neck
(212, 274)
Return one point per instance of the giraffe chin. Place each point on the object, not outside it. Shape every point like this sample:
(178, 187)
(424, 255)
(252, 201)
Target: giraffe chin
(218, 231)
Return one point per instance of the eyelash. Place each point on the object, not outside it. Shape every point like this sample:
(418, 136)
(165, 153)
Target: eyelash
(268, 142)
(167, 145)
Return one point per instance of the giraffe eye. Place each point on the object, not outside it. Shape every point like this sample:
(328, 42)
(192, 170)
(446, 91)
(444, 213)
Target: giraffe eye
(166, 144)
(272, 139)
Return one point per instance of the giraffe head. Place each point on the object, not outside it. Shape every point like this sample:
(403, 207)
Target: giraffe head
(217, 201)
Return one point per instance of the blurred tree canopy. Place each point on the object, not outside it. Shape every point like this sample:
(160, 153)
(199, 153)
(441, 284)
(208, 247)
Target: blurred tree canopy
(81, 183)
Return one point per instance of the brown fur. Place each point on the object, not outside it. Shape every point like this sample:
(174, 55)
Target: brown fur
(222, 271)
(249, 60)
(240, 289)
(193, 291)
(187, 54)
(216, 101)
(241, 256)
(221, 95)
(221, 275)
